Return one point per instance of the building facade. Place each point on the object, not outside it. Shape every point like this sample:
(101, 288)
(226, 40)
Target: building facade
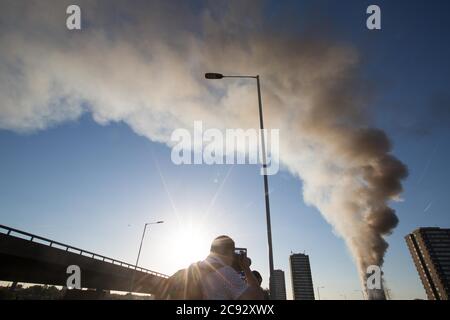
(302, 285)
(279, 285)
(430, 250)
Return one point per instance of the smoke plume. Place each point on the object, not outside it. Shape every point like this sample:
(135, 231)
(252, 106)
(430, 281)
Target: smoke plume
(144, 66)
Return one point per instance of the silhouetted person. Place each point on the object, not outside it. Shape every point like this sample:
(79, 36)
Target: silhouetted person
(216, 278)
(225, 282)
(259, 278)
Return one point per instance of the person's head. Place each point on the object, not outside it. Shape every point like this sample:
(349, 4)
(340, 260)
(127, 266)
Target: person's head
(223, 246)
(257, 276)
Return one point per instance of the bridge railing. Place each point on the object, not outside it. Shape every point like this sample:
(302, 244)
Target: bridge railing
(58, 245)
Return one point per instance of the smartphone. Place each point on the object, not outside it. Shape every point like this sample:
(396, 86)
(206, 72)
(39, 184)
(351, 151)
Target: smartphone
(240, 252)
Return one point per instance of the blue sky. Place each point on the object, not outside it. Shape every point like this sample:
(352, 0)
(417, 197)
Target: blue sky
(94, 186)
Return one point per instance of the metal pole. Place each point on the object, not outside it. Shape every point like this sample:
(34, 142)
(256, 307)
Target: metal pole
(318, 292)
(137, 260)
(266, 190)
(264, 165)
(140, 247)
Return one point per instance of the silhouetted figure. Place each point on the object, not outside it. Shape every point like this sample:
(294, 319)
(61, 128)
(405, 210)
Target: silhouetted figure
(215, 278)
(259, 278)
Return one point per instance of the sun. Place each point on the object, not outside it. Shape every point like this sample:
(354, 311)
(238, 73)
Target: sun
(189, 243)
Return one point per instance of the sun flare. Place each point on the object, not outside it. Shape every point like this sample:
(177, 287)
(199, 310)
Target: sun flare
(189, 243)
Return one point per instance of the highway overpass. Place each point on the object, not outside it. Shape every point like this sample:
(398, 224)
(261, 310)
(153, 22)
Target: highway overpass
(28, 258)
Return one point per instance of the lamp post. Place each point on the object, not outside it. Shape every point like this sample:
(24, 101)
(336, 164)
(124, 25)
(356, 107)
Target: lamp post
(318, 291)
(264, 165)
(140, 247)
(142, 239)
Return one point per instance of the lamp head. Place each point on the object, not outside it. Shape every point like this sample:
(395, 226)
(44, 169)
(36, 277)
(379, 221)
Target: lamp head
(212, 75)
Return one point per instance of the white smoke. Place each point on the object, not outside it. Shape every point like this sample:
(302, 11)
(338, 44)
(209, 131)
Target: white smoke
(144, 66)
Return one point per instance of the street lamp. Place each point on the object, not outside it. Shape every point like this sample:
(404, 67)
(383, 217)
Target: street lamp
(140, 247)
(318, 291)
(142, 239)
(215, 76)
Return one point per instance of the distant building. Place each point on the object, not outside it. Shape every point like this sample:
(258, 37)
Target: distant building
(279, 285)
(430, 250)
(302, 286)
